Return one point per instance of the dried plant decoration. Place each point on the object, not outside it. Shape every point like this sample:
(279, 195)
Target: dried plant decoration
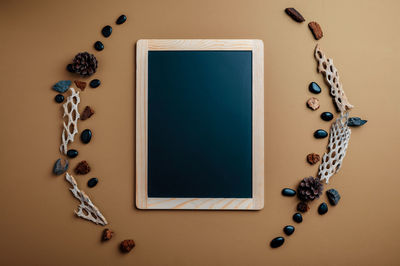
(71, 127)
(86, 209)
(338, 141)
(326, 67)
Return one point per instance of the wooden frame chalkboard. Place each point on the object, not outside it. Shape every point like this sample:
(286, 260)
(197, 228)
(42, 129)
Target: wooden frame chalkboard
(256, 199)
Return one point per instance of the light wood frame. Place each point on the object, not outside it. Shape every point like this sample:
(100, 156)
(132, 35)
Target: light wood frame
(256, 202)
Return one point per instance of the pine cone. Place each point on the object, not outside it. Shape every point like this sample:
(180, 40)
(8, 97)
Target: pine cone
(310, 188)
(84, 64)
(302, 207)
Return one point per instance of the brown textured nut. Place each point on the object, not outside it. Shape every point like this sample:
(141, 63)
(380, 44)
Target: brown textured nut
(82, 168)
(87, 112)
(316, 30)
(80, 84)
(294, 14)
(107, 234)
(302, 207)
(313, 103)
(313, 158)
(127, 245)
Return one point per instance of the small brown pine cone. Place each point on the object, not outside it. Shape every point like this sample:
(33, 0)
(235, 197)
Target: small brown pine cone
(84, 64)
(313, 158)
(302, 207)
(309, 189)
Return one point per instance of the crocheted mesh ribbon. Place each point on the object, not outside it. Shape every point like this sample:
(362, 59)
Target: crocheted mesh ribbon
(86, 209)
(339, 137)
(71, 127)
(326, 67)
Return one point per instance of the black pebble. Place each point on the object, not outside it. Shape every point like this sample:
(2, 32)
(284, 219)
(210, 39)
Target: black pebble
(314, 88)
(106, 31)
(356, 122)
(92, 182)
(333, 196)
(72, 153)
(320, 134)
(277, 242)
(86, 136)
(323, 208)
(70, 69)
(297, 217)
(121, 19)
(327, 116)
(94, 83)
(288, 192)
(59, 98)
(288, 229)
(99, 46)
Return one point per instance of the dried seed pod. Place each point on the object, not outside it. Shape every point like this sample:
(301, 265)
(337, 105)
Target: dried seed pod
(82, 168)
(316, 30)
(127, 245)
(107, 234)
(294, 14)
(313, 103)
(302, 207)
(313, 158)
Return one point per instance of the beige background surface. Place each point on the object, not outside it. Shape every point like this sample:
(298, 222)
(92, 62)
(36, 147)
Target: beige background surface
(38, 227)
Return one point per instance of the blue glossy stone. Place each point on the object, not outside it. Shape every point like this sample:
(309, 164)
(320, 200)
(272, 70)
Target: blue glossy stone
(327, 116)
(314, 88)
(86, 136)
(59, 98)
(70, 68)
(62, 86)
(106, 31)
(72, 153)
(288, 192)
(121, 19)
(94, 83)
(92, 182)
(320, 134)
(288, 229)
(277, 242)
(58, 168)
(297, 217)
(356, 122)
(323, 208)
(99, 46)
(333, 196)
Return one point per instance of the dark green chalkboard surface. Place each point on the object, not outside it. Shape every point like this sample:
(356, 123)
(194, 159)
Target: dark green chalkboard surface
(199, 124)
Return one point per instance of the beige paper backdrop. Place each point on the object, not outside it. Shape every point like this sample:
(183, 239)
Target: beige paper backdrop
(38, 227)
